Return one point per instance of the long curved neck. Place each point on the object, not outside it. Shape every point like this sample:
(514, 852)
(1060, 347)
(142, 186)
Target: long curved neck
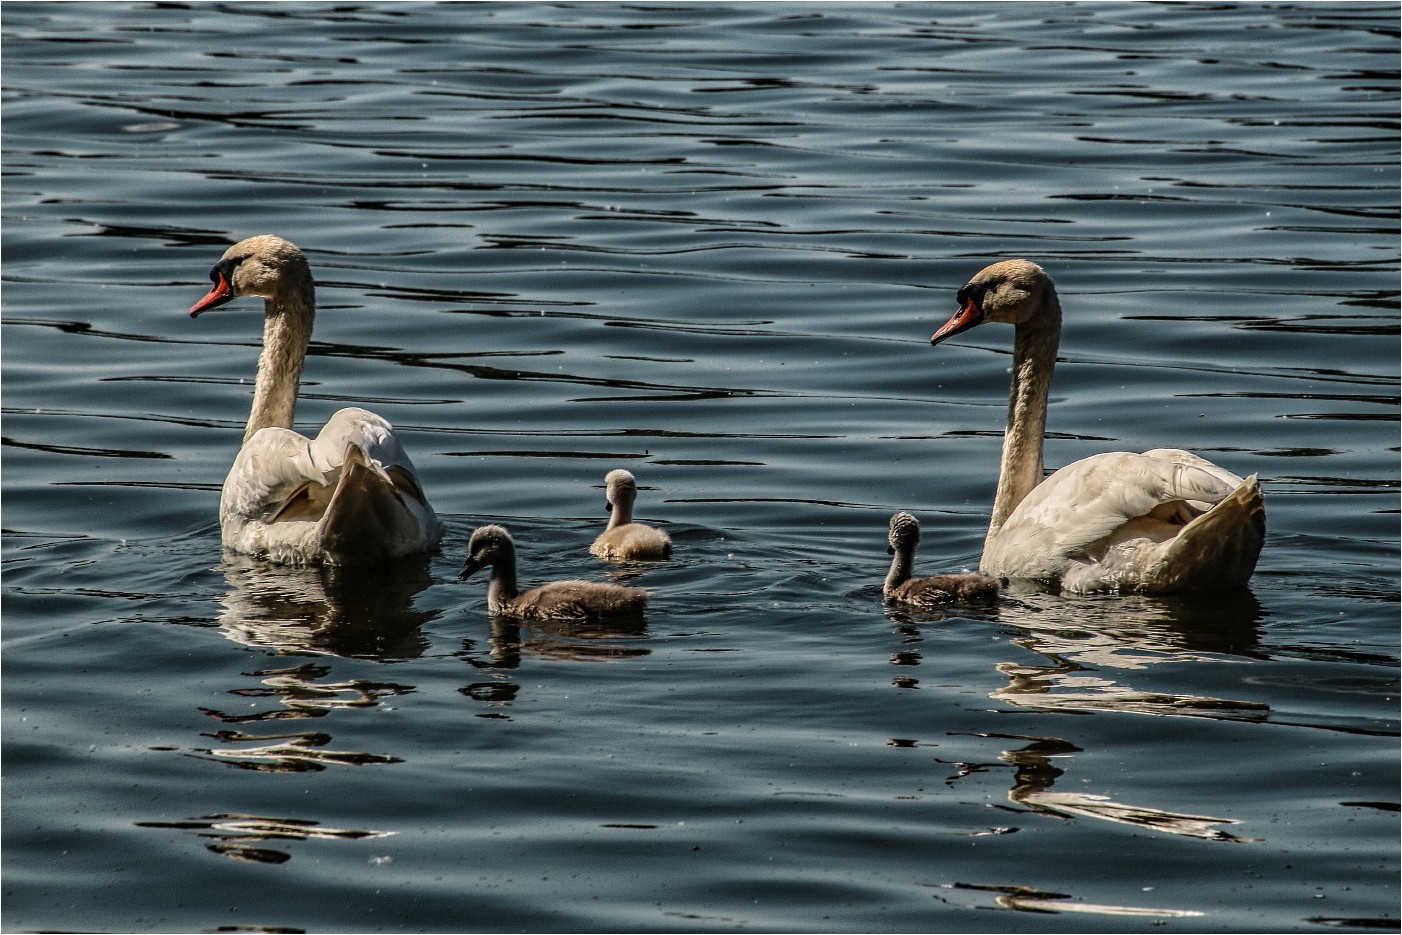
(902, 565)
(287, 330)
(1034, 357)
(502, 588)
(621, 512)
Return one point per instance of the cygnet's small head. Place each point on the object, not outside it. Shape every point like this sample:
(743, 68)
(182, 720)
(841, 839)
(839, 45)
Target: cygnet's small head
(619, 488)
(904, 532)
(487, 545)
(1010, 291)
(263, 266)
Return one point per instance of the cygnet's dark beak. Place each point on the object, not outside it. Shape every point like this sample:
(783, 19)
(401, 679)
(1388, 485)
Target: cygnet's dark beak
(469, 568)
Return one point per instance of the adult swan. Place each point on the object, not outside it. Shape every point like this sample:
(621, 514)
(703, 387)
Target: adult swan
(1164, 520)
(349, 495)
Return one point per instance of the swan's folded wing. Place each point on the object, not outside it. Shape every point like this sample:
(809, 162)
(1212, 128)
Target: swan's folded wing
(1187, 463)
(1219, 548)
(370, 433)
(1086, 501)
(349, 495)
(271, 470)
(378, 507)
(374, 436)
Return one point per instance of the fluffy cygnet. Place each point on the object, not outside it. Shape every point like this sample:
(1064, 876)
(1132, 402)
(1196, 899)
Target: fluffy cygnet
(934, 590)
(623, 539)
(492, 547)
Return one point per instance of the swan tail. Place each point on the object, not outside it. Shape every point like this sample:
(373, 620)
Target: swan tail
(1217, 549)
(375, 514)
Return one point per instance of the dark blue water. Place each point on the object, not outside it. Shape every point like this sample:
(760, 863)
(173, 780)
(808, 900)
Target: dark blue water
(708, 244)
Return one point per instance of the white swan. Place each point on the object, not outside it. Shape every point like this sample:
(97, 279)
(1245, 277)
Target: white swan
(1164, 520)
(350, 495)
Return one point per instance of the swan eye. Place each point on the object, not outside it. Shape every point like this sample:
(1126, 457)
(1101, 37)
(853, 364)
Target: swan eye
(225, 268)
(973, 293)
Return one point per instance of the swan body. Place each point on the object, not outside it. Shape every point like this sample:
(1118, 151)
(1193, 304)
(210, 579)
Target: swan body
(492, 547)
(348, 496)
(933, 590)
(623, 539)
(1158, 521)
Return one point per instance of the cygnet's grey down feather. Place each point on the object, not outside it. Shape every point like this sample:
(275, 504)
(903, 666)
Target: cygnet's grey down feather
(492, 547)
(931, 591)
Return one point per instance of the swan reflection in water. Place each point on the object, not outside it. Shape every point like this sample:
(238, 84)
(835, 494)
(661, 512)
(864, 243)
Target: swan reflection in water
(1035, 775)
(1084, 637)
(1094, 646)
(363, 611)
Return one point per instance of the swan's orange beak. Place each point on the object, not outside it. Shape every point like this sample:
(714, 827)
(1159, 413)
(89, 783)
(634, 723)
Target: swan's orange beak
(968, 316)
(222, 292)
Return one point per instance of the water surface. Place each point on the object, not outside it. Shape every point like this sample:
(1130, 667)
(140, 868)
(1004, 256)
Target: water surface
(708, 244)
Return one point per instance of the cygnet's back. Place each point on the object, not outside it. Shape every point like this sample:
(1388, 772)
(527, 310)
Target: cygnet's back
(933, 590)
(577, 600)
(492, 547)
(623, 539)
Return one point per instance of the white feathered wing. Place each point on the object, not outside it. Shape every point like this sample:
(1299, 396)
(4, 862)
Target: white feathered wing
(349, 495)
(1163, 520)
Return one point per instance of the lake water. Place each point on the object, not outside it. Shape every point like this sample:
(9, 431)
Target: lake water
(707, 243)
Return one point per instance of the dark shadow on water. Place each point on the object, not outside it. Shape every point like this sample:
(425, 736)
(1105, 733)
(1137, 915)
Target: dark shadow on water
(1225, 622)
(364, 612)
(510, 643)
(1094, 648)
